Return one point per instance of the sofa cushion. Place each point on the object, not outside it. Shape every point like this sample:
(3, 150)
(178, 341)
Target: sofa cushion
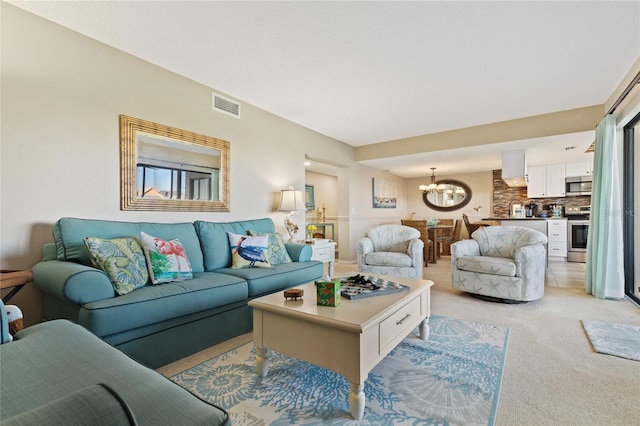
(488, 265)
(69, 233)
(276, 251)
(167, 260)
(152, 304)
(279, 277)
(215, 242)
(248, 251)
(122, 259)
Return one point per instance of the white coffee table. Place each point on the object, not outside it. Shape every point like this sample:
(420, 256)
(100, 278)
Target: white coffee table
(349, 339)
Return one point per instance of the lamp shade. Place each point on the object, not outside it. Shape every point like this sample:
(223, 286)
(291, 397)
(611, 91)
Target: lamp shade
(291, 200)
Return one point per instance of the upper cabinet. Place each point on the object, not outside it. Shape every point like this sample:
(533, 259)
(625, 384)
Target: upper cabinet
(546, 181)
(584, 168)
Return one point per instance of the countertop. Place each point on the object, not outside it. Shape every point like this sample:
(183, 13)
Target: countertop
(520, 218)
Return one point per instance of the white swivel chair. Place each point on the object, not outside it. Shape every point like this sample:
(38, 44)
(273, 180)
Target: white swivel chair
(394, 250)
(501, 263)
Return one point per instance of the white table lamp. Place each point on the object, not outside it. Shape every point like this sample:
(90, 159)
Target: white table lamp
(293, 202)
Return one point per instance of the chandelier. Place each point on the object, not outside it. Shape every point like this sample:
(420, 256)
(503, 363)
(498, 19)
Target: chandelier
(433, 186)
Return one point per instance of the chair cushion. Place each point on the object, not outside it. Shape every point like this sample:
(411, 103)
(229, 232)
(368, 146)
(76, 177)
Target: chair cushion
(488, 265)
(385, 258)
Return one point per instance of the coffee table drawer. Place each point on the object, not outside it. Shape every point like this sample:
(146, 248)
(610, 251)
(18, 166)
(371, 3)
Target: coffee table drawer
(399, 322)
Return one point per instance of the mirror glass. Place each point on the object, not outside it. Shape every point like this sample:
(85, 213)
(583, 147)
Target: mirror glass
(164, 168)
(449, 195)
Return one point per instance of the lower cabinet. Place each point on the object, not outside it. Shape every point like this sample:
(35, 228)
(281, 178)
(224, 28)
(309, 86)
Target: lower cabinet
(557, 235)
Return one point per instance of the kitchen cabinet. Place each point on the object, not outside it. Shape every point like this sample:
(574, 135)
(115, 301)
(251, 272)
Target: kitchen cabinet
(546, 181)
(557, 236)
(583, 168)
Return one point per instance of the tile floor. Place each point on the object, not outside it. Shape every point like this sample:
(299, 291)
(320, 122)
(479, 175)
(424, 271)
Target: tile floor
(565, 274)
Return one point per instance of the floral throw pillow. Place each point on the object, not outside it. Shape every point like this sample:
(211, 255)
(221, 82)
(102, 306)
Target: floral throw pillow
(276, 250)
(122, 259)
(167, 260)
(248, 251)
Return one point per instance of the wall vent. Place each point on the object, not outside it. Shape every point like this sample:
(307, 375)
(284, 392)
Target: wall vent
(225, 105)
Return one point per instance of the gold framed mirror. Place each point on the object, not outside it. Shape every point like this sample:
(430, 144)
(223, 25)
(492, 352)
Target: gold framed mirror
(163, 168)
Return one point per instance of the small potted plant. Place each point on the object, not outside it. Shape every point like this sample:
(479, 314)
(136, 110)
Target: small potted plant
(310, 230)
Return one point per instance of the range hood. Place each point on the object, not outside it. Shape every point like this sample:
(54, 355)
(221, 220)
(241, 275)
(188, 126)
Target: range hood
(514, 168)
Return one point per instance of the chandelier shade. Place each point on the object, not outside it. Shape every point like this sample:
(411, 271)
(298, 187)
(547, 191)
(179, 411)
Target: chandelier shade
(432, 186)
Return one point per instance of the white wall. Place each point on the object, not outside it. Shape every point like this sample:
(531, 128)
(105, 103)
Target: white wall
(62, 94)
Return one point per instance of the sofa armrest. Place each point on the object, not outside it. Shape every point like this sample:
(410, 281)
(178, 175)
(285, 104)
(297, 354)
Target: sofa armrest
(364, 246)
(72, 282)
(531, 261)
(299, 252)
(97, 404)
(415, 250)
(5, 336)
(463, 248)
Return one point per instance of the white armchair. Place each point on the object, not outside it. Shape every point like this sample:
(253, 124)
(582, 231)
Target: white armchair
(391, 250)
(501, 262)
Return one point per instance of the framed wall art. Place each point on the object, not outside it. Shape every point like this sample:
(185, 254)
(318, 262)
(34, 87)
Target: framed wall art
(385, 194)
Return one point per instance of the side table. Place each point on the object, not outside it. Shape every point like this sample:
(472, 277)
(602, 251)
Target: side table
(15, 279)
(324, 251)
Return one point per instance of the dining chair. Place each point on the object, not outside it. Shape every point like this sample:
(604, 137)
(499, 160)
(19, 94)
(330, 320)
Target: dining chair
(471, 227)
(429, 254)
(449, 236)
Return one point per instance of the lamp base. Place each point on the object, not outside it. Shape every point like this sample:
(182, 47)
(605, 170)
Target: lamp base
(292, 228)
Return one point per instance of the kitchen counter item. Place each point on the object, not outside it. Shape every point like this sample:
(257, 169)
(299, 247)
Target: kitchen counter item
(513, 218)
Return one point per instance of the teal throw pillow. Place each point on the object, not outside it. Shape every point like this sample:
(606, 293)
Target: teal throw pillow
(276, 251)
(122, 259)
(248, 251)
(167, 260)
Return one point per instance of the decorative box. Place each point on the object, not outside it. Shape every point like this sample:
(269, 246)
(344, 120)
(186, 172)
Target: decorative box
(328, 293)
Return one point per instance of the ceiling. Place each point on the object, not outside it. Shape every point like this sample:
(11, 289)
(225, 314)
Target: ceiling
(367, 72)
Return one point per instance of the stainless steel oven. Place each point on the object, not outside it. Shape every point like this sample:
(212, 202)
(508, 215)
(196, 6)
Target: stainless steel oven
(578, 232)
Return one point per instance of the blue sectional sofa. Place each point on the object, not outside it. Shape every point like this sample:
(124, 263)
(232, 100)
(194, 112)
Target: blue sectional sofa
(58, 373)
(158, 324)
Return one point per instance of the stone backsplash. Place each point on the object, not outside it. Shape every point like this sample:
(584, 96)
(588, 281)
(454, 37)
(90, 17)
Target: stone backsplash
(504, 194)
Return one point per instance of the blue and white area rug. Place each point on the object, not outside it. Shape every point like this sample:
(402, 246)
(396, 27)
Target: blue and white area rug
(453, 378)
(622, 340)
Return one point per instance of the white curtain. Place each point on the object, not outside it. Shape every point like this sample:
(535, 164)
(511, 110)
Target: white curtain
(605, 267)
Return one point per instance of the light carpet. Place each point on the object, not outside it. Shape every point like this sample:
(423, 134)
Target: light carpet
(622, 340)
(453, 378)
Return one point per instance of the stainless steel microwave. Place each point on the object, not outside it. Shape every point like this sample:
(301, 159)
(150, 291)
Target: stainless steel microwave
(579, 185)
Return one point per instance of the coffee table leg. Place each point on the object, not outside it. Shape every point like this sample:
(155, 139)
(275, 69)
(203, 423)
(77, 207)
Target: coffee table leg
(357, 400)
(262, 362)
(424, 329)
